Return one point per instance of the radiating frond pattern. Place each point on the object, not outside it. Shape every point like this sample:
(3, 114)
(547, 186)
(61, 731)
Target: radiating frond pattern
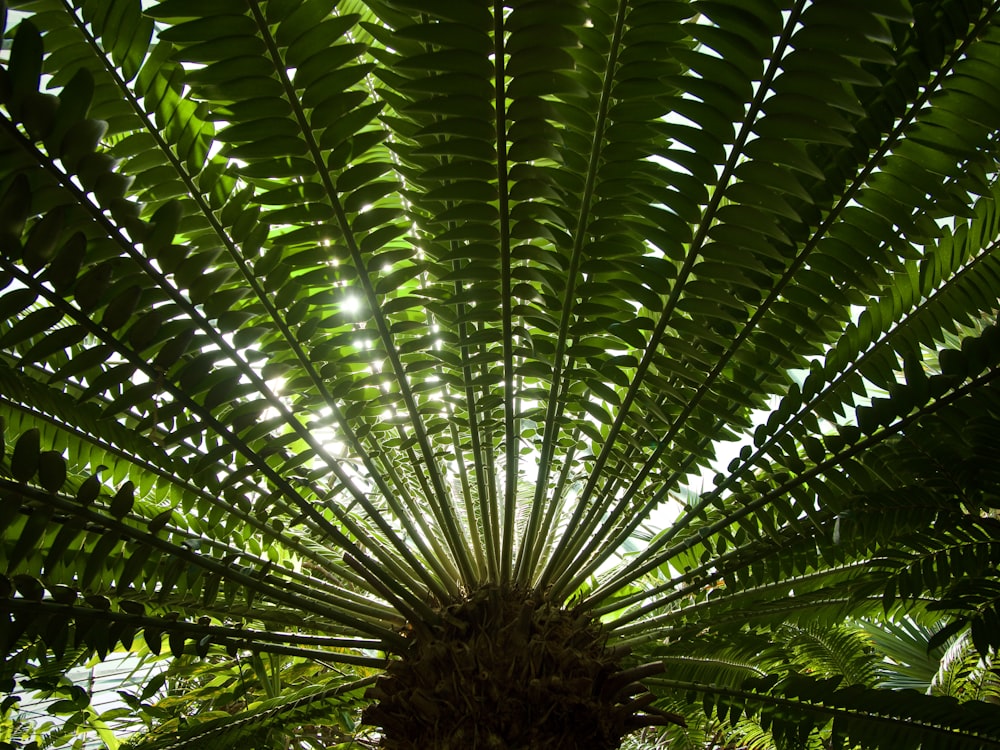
(654, 339)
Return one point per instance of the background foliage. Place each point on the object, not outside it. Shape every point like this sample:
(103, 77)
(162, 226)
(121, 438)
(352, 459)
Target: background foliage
(317, 314)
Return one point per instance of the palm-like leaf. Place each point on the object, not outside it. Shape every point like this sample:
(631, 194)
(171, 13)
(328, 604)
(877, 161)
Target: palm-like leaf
(320, 317)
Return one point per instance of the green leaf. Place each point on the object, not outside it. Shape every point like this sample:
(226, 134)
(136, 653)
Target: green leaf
(81, 141)
(216, 26)
(123, 500)
(159, 521)
(163, 227)
(89, 490)
(74, 104)
(40, 245)
(193, 9)
(119, 310)
(24, 461)
(33, 324)
(99, 558)
(27, 540)
(65, 267)
(39, 115)
(54, 342)
(51, 470)
(154, 639)
(25, 66)
(14, 211)
(62, 707)
(356, 176)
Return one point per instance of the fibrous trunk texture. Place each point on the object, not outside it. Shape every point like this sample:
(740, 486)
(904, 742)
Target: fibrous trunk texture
(507, 670)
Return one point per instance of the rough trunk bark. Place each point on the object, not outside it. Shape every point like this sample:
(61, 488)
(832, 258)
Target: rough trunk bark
(506, 670)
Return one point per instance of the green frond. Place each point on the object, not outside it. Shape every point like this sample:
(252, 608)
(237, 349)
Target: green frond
(793, 708)
(321, 705)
